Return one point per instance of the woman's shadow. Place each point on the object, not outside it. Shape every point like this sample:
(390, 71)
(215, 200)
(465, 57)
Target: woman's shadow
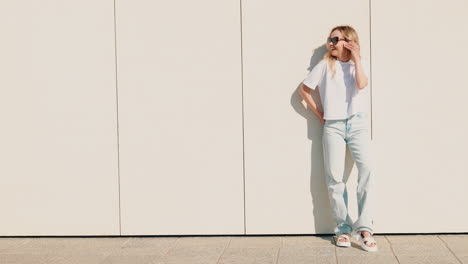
(323, 220)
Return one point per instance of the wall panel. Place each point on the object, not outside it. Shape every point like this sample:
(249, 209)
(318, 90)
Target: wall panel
(58, 138)
(285, 182)
(420, 128)
(180, 117)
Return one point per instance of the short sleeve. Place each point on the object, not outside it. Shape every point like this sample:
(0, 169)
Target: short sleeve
(315, 75)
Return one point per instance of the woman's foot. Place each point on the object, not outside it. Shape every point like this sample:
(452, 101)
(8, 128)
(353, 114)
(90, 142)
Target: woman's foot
(367, 241)
(343, 240)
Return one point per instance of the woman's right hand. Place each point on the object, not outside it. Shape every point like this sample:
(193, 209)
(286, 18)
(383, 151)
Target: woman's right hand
(320, 115)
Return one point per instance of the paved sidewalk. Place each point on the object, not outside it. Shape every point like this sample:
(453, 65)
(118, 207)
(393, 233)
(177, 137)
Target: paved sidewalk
(411, 249)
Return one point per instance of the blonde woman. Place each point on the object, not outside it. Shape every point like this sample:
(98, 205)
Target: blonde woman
(343, 77)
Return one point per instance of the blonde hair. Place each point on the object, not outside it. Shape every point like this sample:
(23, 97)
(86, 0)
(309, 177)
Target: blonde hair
(349, 33)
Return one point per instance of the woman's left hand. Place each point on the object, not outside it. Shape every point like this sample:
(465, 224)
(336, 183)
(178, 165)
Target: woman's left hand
(354, 49)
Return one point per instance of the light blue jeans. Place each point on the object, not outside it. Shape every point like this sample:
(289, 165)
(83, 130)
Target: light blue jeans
(352, 131)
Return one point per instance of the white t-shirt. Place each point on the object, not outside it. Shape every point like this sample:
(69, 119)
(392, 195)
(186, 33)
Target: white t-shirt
(340, 96)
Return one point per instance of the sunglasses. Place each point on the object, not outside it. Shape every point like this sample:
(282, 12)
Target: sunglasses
(335, 40)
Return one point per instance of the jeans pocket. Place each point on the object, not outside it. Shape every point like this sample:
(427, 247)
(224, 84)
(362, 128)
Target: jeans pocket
(360, 122)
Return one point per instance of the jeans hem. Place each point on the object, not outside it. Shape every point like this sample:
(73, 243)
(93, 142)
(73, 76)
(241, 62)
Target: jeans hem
(364, 229)
(341, 230)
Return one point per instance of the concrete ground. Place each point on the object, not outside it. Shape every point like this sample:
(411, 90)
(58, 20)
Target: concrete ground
(413, 249)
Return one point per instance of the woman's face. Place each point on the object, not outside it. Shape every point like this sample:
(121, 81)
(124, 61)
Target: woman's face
(337, 50)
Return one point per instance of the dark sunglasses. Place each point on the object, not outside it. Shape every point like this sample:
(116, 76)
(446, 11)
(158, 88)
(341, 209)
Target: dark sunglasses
(335, 40)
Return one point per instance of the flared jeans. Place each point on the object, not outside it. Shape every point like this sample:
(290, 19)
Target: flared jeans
(352, 131)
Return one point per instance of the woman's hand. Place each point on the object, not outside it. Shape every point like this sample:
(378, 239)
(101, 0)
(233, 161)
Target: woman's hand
(320, 116)
(354, 49)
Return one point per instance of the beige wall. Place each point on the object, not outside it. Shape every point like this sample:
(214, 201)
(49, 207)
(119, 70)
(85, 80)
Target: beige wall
(58, 144)
(180, 117)
(285, 185)
(419, 114)
(182, 121)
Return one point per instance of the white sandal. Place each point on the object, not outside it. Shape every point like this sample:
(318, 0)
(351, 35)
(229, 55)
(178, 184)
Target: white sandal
(363, 241)
(343, 243)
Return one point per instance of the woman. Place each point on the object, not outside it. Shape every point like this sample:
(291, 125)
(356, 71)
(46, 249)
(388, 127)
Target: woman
(343, 77)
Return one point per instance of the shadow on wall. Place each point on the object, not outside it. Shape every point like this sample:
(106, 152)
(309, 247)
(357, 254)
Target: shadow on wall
(323, 220)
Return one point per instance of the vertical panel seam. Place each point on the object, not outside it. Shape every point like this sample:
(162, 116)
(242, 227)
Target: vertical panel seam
(370, 61)
(117, 117)
(242, 101)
